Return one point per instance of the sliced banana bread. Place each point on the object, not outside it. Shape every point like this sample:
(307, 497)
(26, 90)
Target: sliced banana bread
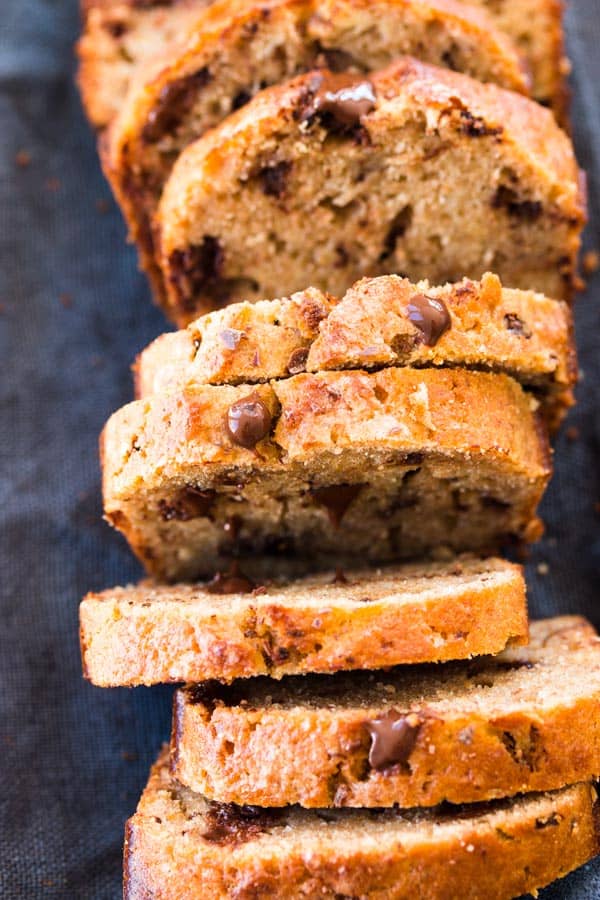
(414, 170)
(536, 28)
(119, 36)
(526, 720)
(179, 845)
(379, 322)
(234, 628)
(236, 49)
(337, 467)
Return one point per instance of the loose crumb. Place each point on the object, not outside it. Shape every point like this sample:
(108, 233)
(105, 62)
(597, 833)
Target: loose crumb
(52, 185)
(65, 300)
(543, 568)
(572, 433)
(591, 262)
(23, 159)
(102, 206)
(128, 756)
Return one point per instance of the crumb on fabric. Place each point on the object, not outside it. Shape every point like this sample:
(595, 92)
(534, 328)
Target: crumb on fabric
(23, 159)
(543, 568)
(65, 300)
(591, 262)
(572, 433)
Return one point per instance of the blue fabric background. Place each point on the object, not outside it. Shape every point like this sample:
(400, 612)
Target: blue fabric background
(73, 313)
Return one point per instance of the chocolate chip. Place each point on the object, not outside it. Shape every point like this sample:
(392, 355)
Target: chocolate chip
(227, 823)
(398, 227)
(232, 582)
(336, 60)
(338, 102)
(475, 126)
(336, 499)
(514, 323)
(190, 503)
(174, 101)
(240, 99)
(197, 269)
(297, 361)
(430, 316)
(274, 178)
(248, 421)
(393, 738)
(506, 198)
(339, 577)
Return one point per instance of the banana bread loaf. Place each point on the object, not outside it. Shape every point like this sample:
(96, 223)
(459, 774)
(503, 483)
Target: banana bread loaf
(343, 468)
(238, 48)
(234, 628)
(414, 170)
(379, 322)
(527, 720)
(179, 845)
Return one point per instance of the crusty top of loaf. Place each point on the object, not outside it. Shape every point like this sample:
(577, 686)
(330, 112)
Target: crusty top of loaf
(519, 332)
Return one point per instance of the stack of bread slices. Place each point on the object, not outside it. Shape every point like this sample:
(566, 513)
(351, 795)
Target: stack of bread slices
(322, 487)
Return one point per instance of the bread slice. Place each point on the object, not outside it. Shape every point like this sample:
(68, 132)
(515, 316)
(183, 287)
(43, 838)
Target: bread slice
(235, 49)
(336, 468)
(430, 174)
(118, 37)
(179, 845)
(527, 720)
(536, 28)
(234, 628)
(471, 324)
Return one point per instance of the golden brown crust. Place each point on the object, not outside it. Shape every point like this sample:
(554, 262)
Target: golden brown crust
(175, 846)
(526, 720)
(425, 613)
(474, 478)
(515, 186)
(521, 333)
(239, 46)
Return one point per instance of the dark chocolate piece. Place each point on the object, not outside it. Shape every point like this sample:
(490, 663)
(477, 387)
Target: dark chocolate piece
(274, 178)
(232, 582)
(506, 198)
(231, 824)
(189, 503)
(175, 100)
(336, 499)
(393, 738)
(297, 361)
(430, 316)
(198, 269)
(515, 324)
(248, 421)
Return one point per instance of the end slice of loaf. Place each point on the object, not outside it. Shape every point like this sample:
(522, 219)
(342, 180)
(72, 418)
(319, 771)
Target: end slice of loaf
(235, 49)
(345, 468)
(523, 334)
(152, 634)
(439, 177)
(119, 37)
(526, 720)
(537, 29)
(177, 844)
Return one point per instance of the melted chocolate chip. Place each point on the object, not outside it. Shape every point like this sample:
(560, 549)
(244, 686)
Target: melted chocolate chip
(506, 198)
(398, 227)
(336, 60)
(240, 99)
(475, 126)
(512, 322)
(336, 499)
(339, 101)
(197, 269)
(430, 316)
(297, 361)
(189, 503)
(174, 101)
(232, 582)
(393, 738)
(274, 179)
(248, 421)
(227, 823)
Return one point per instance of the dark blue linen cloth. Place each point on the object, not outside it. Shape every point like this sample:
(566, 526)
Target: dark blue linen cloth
(74, 311)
